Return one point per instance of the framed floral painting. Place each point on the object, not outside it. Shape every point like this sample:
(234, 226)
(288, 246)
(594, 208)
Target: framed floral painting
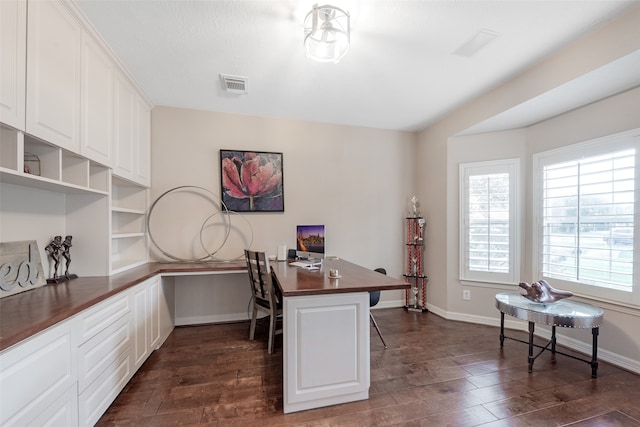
(251, 181)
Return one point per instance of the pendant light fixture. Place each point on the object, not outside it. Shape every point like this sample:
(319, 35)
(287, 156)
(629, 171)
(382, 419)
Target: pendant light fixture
(326, 33)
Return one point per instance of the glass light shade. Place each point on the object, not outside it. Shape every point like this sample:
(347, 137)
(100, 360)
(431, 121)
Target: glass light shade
(326, 33)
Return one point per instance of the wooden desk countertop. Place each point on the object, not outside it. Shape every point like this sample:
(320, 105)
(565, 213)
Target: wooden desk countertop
(28, 313)
(298, 281)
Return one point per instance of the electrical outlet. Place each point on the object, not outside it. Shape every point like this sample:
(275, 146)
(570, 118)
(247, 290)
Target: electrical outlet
(466, 294)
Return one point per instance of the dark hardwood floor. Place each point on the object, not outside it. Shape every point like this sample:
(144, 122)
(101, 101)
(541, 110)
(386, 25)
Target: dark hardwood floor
(435, 373)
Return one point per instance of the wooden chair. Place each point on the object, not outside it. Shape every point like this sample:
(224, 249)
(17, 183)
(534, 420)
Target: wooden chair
(265, 292)
(374, 298)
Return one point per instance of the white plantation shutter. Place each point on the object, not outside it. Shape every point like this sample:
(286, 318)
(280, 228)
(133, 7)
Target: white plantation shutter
(588, 220)
(489, 219)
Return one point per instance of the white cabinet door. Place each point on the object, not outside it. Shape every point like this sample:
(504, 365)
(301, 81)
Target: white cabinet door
(35, 373)
(95, 356)
(140, 325)
(143, 160)
(61, 413)
(125, 128)
(53, 74)
(96, 124)
(147, 302)
(96, 398)
(132, 133)
(13, 52)
(155, 295)
(326, 350)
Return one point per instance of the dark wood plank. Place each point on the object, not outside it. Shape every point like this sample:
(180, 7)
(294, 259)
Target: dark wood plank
(434, 373)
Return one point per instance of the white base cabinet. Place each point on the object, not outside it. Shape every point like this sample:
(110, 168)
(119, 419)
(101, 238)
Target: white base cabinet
(69, 374)
(104, 356)
(61, 413)
(96, 399)
(141, 324)
(326, 350)
(35, 373)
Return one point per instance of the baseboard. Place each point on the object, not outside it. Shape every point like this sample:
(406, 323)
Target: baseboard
(214, 318)
(389, 304)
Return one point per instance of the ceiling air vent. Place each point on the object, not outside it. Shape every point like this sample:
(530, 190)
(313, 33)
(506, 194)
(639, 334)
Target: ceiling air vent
(235, 84)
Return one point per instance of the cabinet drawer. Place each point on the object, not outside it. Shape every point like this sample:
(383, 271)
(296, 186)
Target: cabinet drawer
(61, 413)
(95, 400)
(101, 351)
(35, 373)
(97, 318)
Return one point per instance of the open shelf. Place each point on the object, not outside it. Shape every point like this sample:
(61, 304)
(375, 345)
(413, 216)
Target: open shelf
(99, 177)
(49, 158)
(127, 195)
(126, 210)
(126, 223)
(11, 142)
(53, 168)
(128, 251)
(129, 247)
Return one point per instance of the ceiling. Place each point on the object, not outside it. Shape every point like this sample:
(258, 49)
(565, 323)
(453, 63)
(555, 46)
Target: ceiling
(401, 72)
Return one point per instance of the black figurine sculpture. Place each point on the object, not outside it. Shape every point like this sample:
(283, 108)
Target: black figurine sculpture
(57, 250)
(541, 291)
(53, 250)
(66, 254)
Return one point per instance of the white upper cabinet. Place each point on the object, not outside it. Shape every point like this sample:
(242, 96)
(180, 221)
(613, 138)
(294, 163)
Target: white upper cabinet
(96, 124)
(132, 134)
(125, 134)
(61, 84)
(13, 53)
(143, 163)
(53, 74)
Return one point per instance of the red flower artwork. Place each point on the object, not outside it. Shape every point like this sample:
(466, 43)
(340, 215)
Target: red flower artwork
(252, 181)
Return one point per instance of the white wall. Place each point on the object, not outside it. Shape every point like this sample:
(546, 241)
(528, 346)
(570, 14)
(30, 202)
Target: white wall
(467, 149)
(31, 214)
(356, 181)
(440, 152)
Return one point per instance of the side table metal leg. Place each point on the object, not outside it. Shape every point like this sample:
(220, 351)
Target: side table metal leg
(531, 358)
(553, 343)
(594, 350)
(501, 329)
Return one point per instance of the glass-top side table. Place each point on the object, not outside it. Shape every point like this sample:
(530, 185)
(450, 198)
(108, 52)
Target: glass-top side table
(564, 313)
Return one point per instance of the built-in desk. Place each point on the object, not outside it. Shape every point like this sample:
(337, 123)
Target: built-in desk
(326, 321)
(28, 313)
(326, 332)
(68, 349)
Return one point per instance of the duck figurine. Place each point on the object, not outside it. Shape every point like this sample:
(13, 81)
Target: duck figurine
(542, 291)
